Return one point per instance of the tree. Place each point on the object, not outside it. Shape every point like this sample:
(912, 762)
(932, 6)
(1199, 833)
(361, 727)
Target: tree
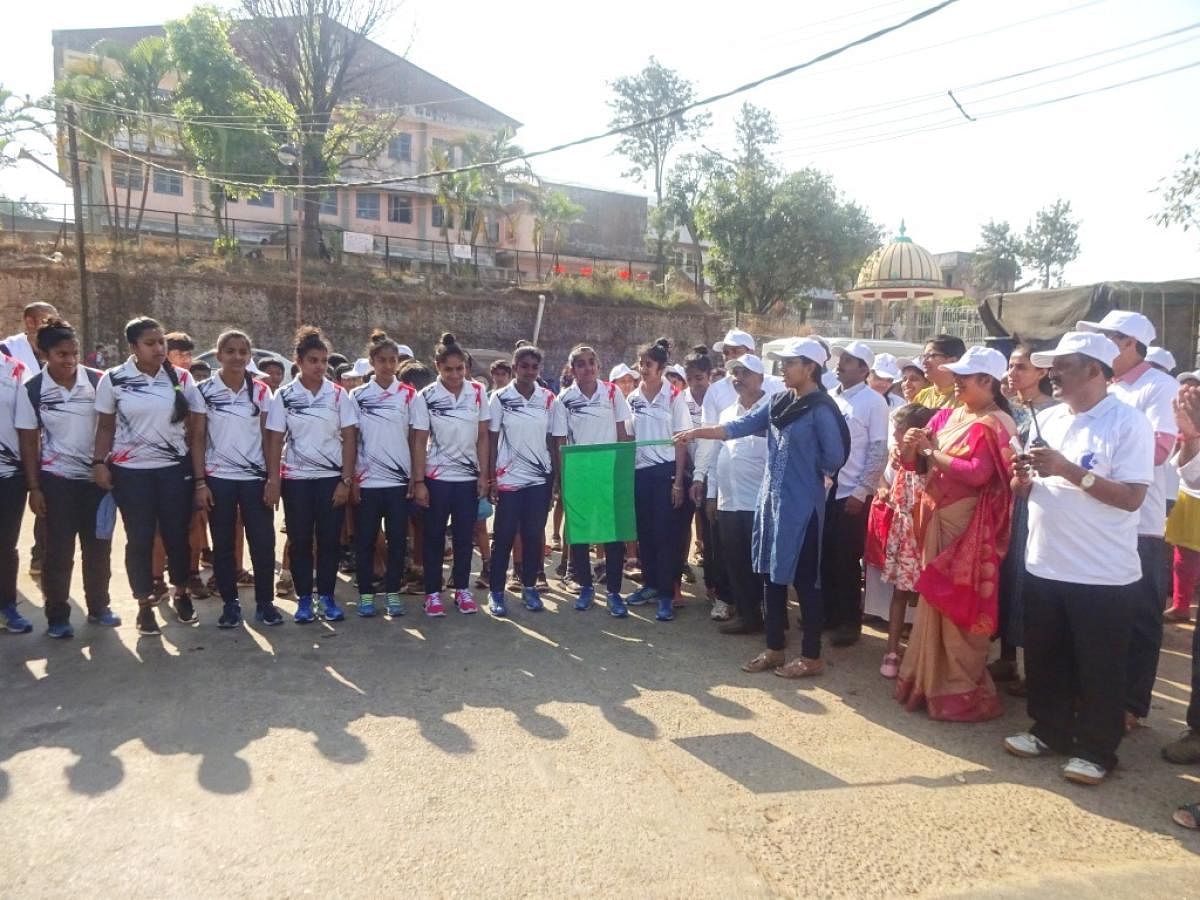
(687, 183)
(553, 213)
(214, 83)
(18, 123)
(654, 93)
(313, 52)
(997, 267)
(1181, 195)
(1051, 242)
(756, 130)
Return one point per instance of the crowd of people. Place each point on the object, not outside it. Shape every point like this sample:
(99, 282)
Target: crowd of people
(961, 498)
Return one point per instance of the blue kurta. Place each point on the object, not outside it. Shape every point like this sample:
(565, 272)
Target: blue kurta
(799, 457)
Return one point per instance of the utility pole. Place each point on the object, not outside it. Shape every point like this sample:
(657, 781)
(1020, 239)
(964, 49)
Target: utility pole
(80, 252)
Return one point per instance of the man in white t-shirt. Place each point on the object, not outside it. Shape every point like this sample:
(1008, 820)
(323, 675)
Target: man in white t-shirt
(1138, 384)
(1085, 487)
(845, 537)
(22, 346)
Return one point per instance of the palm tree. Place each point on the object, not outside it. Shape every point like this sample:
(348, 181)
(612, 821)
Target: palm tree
(553, 213)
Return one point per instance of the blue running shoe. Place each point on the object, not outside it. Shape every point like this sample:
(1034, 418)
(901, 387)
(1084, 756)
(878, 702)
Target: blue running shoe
(108, 617)
(641, 596)
(586, 596)
(268, 615)
(330, 611)
(533, 600)
(304, 610)
(14, 621)
(61, 630)
(496, 605)
(366, 605)
(395, 606)
(666, 608)
(616, 606)
(231, 615)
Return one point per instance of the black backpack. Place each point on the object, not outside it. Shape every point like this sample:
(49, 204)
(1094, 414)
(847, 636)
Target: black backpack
(34, 386)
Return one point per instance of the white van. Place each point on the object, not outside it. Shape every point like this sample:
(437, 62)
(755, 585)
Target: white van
(899, 349)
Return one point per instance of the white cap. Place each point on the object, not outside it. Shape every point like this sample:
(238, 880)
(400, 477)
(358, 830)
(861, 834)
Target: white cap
(404, 350)
(1161, 356)
(748, 361)
(806, 347)
(979, 361)
(1087, 343)
(620, 370)
(362, 367)
(677, 369)
(903, 362)
(1131, 324)
(1187, 376)
(858, 350)
(252, 368)
(735, 337)
(886, 366)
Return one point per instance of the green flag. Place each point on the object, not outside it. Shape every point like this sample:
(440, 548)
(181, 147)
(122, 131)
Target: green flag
(597, 491)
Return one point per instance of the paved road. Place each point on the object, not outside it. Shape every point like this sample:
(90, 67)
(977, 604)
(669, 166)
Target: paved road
(551, 754)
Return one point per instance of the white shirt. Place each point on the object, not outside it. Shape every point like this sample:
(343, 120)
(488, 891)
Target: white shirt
(21, 349)
(1073, 537)
(68, 424)
(313, 424)
(741, 464)
(593, 420)
(657, 419)
(12, 380)
(1153, 392)
(1189, 474)
(384, 419)
(453, 426)
(866, 414)
(233, 429)
(718, 398)
(522, 454)
(146, 438)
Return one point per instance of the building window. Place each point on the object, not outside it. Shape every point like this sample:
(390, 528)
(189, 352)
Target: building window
(469, 221)
(366, 205)
(127, 175)
(442, 151)
(493, 232)
(329, 203)
(266, 200)
(400, 209)
(400, 148)
(439, 218)
(948, 277)
(168, 183)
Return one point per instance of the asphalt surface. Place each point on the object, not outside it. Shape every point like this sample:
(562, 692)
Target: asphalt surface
(558, 753)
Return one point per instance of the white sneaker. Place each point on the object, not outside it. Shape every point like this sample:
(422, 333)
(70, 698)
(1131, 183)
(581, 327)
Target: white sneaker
(1081, 771)
(1026, 745)
(721, 611)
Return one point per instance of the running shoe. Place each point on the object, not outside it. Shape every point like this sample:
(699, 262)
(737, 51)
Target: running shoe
(366, 605)
(642, 596)
(533, 600)
(304, 610)
(231, 615)
(497, 605)
(284, 586)
(268, 616)
(330, 611)
(196, 587)
(61, 630)
(147, 622)
(395, 605)
(586, 596)
(433, 606)
(106, 617)
(184, 611)
(465, 602)
(14, 621)
(666, 609)
(616, 607)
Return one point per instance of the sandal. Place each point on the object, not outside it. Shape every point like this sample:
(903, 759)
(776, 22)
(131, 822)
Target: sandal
(891, 665)
(801, 668)
(1177, 615)
(768, 659)
(1018, 688)
(1003, 670)
(1187, 816)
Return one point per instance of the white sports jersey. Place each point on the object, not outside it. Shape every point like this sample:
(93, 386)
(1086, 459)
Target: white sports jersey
(234, 439)
(453, 426)
(384, 418)
(146, 437)
(68, 423)
(313, 424)
(12, 380)
(593, 420)
(523, 425)
(657, 419)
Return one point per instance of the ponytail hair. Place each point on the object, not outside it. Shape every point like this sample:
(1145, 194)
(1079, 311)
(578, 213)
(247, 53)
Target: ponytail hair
(309, 337)
(234, 335)
(447, 346)
(380, 341)
(53, 332)
(135, 328)
(659, 352)
(698, 360)
(999, 398)
(179, 405)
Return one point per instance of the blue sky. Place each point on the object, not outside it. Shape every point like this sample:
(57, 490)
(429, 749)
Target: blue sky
(548, 64)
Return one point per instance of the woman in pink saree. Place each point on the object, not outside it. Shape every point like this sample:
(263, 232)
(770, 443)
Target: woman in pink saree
(962, 523)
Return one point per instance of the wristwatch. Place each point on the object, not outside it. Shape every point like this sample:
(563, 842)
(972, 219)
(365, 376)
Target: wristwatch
(1087, 481)
(348, 480)
(927, 452)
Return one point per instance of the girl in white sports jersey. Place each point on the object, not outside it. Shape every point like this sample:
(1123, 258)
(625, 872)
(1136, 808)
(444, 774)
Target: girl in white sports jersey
(595, 413)
(386, 408)
(316, 471)
(658, 411)
(141, 455)
(697, 366)
(229, 460)
(527, 427)
(450, 458)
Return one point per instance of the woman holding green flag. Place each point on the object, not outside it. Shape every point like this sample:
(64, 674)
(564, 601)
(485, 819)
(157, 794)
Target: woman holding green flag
(807, 442)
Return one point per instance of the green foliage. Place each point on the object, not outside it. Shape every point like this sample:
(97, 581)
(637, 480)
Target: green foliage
(997, 266)
(1181, 195)
(1051, 242)
(553, 214)
(226, 245)
(18, 124)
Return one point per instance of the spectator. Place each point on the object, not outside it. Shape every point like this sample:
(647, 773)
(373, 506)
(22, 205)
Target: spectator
(940, 350)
